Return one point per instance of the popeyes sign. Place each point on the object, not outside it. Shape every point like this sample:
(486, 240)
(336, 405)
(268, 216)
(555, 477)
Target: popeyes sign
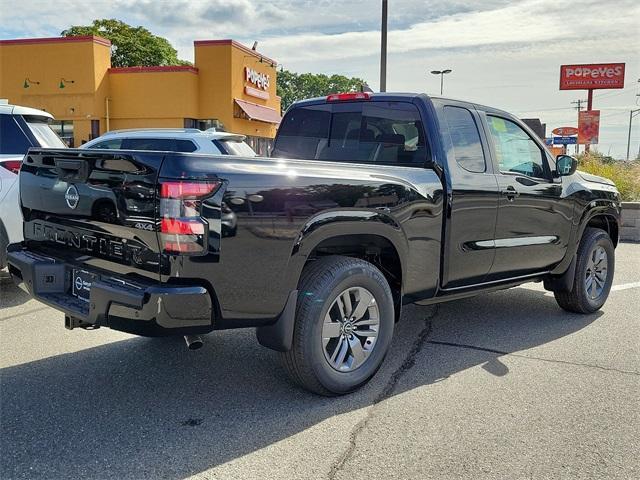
(592, 76)
(260, 80)
(565, 131)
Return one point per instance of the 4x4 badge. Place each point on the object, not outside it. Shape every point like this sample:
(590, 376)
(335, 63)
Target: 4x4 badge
(72, 197)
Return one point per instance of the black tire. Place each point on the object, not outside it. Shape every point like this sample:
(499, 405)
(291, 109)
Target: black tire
(577, 300)
(4, 242)
(322, 281)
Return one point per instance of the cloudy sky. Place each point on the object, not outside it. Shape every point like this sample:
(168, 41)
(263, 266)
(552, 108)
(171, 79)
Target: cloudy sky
(503, 53)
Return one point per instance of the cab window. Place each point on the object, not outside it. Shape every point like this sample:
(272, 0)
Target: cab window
(386, 133)
(516, 151)
(465, 139)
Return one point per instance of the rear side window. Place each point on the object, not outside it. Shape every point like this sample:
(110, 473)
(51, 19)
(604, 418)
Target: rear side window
(41, 129)
(161, 144)
(234, 147)
(185, 146)
(113, 144)
(465, 139)
(12, 138)
(388, 133)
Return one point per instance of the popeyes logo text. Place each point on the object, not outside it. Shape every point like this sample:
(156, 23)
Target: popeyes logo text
(592, 76)
(260, 80)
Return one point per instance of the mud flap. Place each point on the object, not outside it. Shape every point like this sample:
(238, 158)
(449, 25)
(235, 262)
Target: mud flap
(279, 335)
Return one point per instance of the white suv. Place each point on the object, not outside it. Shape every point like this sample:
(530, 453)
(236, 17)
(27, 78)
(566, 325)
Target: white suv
(20, 129)
(174, 140)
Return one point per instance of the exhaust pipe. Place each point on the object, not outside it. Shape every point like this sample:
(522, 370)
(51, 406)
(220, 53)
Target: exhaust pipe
(194, 342)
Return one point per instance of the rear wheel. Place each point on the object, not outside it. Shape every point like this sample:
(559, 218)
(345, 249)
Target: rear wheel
(594, 274)
(344, 325)
(4, 242)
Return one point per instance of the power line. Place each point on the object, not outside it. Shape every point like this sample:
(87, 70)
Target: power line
(579, 104)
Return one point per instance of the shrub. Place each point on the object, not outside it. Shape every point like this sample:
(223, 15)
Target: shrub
(626, 175)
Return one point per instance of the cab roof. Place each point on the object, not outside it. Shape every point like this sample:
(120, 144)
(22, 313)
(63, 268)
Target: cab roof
(404, 96)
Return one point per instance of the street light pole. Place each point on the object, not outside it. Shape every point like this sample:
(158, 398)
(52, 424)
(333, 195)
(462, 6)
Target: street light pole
(632, 114)
(442, 73)
(383, 49)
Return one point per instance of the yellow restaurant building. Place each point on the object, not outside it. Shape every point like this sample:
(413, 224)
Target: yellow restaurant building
(229, 87)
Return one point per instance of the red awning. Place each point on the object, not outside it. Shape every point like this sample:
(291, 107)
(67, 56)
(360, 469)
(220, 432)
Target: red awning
(259, 112)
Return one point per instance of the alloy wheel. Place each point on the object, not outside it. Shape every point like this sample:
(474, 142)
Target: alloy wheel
(350, 329)
(596, 272)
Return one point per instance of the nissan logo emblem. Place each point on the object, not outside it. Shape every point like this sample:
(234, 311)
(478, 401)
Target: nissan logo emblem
(72, 197)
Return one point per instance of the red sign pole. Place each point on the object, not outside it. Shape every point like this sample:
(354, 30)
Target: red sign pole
(589, 108)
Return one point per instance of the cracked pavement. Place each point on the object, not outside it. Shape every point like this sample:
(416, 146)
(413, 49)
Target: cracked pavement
(504, 385)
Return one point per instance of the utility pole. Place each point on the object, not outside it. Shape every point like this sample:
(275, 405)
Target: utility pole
(383, 49)
(579, 104)
(578, 107)
(632, 114)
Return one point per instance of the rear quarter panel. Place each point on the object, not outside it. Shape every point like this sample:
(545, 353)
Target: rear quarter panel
(284, 208)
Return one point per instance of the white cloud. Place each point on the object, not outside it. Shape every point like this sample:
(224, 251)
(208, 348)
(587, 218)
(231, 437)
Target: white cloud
(503, 53)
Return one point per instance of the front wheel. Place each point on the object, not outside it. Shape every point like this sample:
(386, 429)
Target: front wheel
(594, 274)
(344, 325)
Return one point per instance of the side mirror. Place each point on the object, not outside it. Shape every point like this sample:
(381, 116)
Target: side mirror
(566, 165)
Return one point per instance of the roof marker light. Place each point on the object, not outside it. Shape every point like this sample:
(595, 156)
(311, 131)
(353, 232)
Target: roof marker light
(345, 97)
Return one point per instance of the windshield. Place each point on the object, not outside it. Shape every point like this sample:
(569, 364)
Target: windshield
(45, 136)
(235, 147)
(389, 133)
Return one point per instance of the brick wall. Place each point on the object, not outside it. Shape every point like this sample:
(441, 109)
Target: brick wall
(630, 230)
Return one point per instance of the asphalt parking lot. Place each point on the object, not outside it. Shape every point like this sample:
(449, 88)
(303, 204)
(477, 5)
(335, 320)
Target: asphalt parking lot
(504, 385)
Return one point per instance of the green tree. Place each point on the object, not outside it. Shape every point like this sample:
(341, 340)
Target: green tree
(130, 46)
(293, 86)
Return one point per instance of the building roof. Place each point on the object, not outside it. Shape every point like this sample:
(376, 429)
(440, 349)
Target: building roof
(79, 38)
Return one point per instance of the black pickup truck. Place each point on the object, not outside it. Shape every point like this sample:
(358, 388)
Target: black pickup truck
(369, 202)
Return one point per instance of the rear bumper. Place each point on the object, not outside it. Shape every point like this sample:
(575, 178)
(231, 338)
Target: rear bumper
(149, 309)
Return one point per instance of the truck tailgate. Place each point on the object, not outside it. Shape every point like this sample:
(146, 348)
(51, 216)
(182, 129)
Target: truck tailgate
(93, 208)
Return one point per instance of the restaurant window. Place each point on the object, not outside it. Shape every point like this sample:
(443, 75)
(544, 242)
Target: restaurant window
(64, 129)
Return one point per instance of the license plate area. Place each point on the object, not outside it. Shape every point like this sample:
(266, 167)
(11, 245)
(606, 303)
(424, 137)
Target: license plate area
(81, 281)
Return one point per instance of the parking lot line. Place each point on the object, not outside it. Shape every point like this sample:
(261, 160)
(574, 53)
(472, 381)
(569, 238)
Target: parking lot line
(625, 286)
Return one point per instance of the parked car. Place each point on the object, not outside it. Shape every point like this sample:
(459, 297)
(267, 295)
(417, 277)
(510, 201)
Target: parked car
(407, 199)
(20, 129)
(189, 140)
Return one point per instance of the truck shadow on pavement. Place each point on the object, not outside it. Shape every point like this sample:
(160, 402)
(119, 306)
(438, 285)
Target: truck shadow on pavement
(10, 294)
(148, 408)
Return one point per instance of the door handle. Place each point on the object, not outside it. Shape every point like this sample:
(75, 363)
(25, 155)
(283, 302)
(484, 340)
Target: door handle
(510, 193)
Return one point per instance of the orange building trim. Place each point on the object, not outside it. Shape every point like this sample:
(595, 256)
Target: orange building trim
(238, 45)
(80, 38)
(151, 69)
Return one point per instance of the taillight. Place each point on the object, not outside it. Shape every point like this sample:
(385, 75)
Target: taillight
(344, 97)
(12, 165)
(182, 228)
